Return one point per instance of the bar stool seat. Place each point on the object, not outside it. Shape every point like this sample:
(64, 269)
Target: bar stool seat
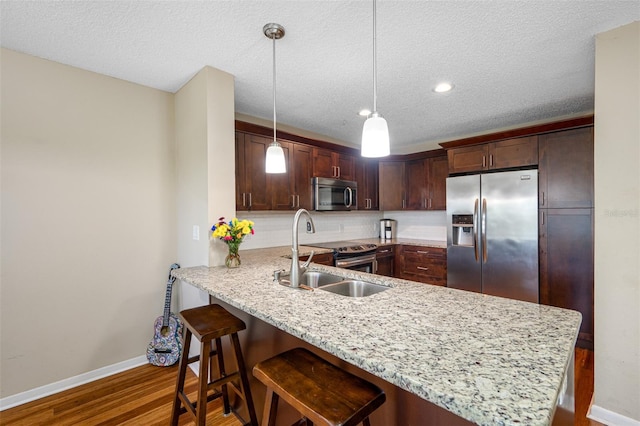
(322, 393)
(210, 323)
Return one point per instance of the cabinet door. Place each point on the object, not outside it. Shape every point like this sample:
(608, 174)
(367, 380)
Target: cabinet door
(385, 257)
(519, 152)
(437, 173)
(241, 196)
(346, 165)
(566, 169)
(255, 177)
(468, 159)
(566, 264)
(416, 185)
(280, 185)
(323, 163)
(367, 179)
(391, 185)
(301, 165)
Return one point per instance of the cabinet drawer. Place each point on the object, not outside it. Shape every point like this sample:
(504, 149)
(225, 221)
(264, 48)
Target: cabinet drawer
(423, 264)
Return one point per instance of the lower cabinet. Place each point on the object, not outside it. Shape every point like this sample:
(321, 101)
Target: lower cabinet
(385, 256)
(322, 259)
(422, 264)
(566, 264)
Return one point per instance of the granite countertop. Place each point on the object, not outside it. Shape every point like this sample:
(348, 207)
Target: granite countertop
(487, 359)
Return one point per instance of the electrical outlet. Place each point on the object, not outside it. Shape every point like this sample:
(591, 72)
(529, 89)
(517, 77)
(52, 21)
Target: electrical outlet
(196, 232)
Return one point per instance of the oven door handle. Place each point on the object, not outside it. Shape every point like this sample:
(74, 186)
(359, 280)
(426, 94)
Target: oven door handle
(354, 261)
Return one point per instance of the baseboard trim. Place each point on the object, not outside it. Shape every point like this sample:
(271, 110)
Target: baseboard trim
(71, 382)
(610, 418)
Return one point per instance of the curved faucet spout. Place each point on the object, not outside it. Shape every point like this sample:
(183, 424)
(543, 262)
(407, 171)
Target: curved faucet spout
(296, 269)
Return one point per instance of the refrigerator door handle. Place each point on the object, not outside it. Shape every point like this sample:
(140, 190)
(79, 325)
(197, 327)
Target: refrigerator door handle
(483, 214)
(475, 229)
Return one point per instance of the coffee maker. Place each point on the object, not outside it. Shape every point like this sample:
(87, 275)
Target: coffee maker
(388, 229)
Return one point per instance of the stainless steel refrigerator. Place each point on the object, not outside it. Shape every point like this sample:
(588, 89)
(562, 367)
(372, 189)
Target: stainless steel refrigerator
(492, 234)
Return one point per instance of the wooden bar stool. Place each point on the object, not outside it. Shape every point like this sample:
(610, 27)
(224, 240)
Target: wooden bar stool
(322, 393)
(209, 323)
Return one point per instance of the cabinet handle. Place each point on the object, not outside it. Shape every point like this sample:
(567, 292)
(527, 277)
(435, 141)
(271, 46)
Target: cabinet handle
(293, 201)
(422, 268)
(543, 198)
(422, 252)
(403, 203)
(484, 161)
(338, 167)
(250, 203)
(491, 160)
(244, 199)
(298, 200)
(384, 251)
(542, 221)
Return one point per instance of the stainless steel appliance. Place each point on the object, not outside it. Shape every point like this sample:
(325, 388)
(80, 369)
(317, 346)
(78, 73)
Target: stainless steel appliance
(388, 229)
(352, 255)
(492, 234)
(334, 194)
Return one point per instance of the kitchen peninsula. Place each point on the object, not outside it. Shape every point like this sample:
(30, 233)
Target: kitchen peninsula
(488, 360)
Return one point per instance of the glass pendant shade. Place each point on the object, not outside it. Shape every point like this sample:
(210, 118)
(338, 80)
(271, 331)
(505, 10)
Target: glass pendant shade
(275, 162)
(375, 137)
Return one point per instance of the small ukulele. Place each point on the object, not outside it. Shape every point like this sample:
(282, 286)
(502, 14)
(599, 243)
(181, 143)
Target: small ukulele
(164, 350)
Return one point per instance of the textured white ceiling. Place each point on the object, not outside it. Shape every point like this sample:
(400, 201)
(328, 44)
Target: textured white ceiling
(512, 62)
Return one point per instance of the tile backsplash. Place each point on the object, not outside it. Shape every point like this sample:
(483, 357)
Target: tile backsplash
(273, 229)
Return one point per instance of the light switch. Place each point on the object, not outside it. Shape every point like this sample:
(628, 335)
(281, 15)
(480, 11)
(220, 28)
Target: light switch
(196, 232)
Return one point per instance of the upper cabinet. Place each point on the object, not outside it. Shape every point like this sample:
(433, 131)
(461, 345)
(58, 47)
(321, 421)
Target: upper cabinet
(518, 152)
(566, 169)
(331, 164)
(418, 184)
(367, 179)
(257, 190)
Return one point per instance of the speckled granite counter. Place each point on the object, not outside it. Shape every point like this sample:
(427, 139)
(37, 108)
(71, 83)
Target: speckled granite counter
(489, 360)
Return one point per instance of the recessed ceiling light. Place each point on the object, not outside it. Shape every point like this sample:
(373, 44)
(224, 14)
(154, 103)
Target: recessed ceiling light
(443, 87)
(364, 113)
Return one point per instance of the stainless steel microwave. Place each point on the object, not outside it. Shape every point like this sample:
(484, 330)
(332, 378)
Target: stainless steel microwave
(334, 194)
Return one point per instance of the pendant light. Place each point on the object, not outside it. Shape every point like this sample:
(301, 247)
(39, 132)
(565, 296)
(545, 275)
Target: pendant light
(375, 133)
(275, 161)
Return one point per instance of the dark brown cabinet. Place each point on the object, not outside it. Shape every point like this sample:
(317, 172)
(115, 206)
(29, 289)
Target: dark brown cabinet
(437, 173)
(367, 179)
(257, 190)
(422, 264)
(321, 259)
(510, 153)
(566, 224)
(392, 194)
(333, 164)
(566, 169)
(251, 178)
(566, 264)
(385, 258)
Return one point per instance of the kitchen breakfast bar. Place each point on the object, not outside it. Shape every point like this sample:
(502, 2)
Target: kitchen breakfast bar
(443, 356)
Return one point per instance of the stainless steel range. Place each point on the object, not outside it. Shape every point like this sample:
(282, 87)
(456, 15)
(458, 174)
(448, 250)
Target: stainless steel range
(352, 255)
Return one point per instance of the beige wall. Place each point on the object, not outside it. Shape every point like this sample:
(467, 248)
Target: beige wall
(205, 138)
(617, 224)
(88, 219)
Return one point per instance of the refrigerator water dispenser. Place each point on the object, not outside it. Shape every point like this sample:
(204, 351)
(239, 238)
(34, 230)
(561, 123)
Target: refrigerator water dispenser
(462, 230)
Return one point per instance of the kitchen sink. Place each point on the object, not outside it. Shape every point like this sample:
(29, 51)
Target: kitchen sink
(335, 284)
(354, 288)
(313, 279)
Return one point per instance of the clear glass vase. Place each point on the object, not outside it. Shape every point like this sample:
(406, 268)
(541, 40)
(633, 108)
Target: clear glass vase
(233, 258)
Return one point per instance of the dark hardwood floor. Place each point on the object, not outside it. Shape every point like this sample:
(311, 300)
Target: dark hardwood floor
(143, 396)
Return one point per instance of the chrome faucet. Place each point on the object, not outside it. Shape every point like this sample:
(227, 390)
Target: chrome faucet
(296, 269)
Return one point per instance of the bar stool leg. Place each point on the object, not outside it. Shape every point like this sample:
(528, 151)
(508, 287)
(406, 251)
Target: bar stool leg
(203, 383)
(244, 380)
(175, 411)
(221, 371)
(270, 408)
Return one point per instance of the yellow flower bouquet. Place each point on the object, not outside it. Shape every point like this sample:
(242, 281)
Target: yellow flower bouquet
(232, 233)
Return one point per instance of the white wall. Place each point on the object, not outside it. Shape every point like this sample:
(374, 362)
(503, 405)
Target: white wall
(88, 219)
(617, 226)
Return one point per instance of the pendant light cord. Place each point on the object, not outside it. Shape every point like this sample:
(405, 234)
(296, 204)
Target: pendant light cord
(273, 37)
(375, 61)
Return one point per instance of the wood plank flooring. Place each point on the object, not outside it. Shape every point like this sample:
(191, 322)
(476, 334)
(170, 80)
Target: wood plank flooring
(143, 396)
